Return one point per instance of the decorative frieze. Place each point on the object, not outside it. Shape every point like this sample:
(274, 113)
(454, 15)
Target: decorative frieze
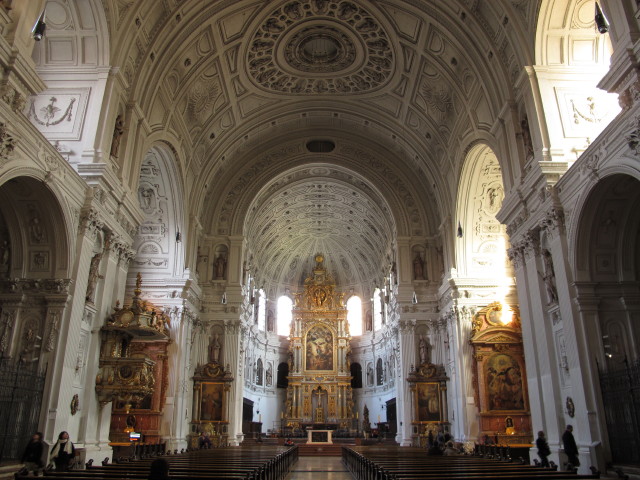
(29, 285)
(633, 138)
(7, 143)
(91, 222)
(553, 222)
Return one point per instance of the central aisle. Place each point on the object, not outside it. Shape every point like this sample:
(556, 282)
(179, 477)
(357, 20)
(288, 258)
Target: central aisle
(316, 468)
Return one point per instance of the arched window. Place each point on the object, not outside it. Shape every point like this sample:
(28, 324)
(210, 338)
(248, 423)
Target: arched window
(259, 372)
(377, 309)
(356, 375)
(262, 310)
(283, 372)
(285, 307)
(354, 315)
(379, 372)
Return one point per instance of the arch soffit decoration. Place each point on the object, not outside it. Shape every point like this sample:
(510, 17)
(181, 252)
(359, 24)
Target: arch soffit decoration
(589, 215)
(475, 214)
(557, 23)
(55, 218)
(81, 28)
(165, 27)
(411, 211)
(318, 208)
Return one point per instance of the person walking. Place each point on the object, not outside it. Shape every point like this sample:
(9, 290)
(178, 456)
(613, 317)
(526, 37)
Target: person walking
(32, 456)
(570, 447)
(543, 449)
(63, 452)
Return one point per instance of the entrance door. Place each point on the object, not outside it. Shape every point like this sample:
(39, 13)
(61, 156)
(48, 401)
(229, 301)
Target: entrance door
(392, 418)
(21, 387)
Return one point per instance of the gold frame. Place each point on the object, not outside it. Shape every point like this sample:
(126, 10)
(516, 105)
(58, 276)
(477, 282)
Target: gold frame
(333, 348)
(220, 389)
(424, 399)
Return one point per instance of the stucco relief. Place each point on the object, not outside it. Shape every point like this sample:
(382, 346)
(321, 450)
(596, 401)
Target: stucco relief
(317, 47)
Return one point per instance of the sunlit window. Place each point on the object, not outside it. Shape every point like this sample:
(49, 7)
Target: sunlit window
(262, 310)
(377, 310)
(354, 315)
(285, 306)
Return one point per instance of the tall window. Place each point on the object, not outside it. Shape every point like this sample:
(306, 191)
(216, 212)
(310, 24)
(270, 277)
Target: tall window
(262, 309)
(285, 307)
(354, 315)
(377, 309)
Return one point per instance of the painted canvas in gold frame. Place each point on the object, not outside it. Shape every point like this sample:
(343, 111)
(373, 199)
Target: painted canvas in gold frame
(319, 349)
(211, 401)
(427, 402)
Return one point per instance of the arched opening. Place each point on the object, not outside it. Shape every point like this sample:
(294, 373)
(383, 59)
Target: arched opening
(35, 272)
(354, 315)
(608, 267)
(261, 318)
(283, 373)
(356, 375)
(376, 300)
(285, 308)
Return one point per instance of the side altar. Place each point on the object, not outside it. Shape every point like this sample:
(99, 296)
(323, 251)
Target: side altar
(319, 388)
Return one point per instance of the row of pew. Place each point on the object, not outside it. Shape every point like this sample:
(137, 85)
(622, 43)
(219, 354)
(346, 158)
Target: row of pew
(403, 463)
(228, 463)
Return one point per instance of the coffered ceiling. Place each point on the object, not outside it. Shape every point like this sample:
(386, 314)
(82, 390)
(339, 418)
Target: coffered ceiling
(400, 87)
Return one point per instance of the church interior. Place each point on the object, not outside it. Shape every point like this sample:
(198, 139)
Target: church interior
(370, 218)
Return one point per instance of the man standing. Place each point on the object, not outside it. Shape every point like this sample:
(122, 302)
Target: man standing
(570, 447)
(543, 449)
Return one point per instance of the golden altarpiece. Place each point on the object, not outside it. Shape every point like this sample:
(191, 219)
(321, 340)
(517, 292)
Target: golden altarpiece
(499, 376)
(319, 391)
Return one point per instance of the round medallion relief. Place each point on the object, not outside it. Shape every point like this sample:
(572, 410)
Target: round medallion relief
(316, 46)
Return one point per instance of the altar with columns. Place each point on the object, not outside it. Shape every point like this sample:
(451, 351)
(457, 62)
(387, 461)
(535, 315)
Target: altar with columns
(319, 388)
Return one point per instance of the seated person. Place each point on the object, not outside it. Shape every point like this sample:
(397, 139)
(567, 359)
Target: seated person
(204, 441)
(450, 449)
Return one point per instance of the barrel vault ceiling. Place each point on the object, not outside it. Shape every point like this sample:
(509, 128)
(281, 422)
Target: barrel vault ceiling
(327, 126)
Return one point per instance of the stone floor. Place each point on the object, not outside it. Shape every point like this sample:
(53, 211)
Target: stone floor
(319, 468)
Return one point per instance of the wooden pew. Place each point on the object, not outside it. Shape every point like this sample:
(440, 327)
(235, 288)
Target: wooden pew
(228, 463)
(402, 463)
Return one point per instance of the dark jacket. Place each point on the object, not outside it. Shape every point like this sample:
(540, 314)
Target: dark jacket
(543, 447)
(570, 447)
(33, 453)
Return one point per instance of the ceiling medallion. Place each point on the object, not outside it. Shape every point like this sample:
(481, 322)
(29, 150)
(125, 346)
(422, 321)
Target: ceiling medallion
(320, 46)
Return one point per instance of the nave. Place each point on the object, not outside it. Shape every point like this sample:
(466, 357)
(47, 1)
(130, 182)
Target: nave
(271, 462)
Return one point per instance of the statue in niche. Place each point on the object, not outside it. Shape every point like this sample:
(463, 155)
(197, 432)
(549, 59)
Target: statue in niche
(270, 321)
(94, 275)
(423, 351)
(368, 322)
(526, 138)
(549, 277)
(369, 375)
(418, 267)
(146, 198)
(269, 376)
(214, 350)
(118, 130)
(35, 229)
(220, 266)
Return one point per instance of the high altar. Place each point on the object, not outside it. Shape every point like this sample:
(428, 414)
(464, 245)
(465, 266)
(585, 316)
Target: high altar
(319, 389)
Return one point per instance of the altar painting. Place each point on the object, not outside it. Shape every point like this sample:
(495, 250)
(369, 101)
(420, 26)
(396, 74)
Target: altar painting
(211, 402)
(504, 383)
(319, 349)
(428, 402)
